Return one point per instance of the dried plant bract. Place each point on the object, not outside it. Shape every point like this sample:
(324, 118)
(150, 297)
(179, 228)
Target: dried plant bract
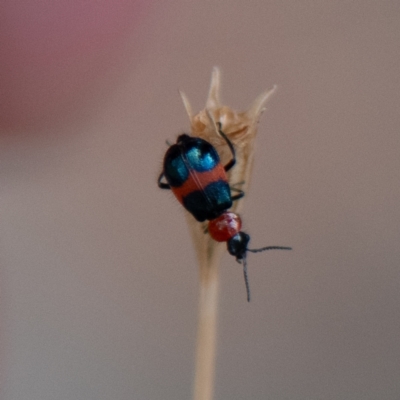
(241, 129)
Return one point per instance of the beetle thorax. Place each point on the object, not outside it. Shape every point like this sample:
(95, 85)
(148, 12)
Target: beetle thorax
(224, 227)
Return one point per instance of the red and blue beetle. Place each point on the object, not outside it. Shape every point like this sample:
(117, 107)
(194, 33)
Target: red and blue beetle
(194, 173)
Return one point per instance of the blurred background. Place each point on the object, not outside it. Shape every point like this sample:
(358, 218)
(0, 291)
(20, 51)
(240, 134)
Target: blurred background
(98, 277)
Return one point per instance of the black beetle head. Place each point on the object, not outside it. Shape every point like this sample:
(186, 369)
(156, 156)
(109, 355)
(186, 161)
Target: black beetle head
(237, 245)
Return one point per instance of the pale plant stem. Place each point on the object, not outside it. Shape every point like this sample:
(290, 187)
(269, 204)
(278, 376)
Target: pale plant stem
(206, 334)
(241, 129)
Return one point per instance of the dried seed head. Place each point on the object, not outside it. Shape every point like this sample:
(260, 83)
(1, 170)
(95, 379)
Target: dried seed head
(241, 129)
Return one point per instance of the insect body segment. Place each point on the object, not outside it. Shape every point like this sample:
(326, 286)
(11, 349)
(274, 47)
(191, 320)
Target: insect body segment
(197, 178)
(194, 173)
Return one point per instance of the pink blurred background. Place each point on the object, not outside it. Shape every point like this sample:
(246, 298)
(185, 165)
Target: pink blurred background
(98, 277)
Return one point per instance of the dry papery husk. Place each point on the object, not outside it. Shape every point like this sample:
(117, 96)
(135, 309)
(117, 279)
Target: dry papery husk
(241, 129)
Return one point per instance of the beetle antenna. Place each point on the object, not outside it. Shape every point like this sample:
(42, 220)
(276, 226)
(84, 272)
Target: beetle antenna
(215, 124)
(246, 278)
(269, 248)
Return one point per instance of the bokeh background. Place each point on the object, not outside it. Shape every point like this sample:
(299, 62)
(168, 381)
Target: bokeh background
(98, 277)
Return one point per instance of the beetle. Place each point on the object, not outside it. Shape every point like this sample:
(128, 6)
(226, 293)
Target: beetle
(194, 173)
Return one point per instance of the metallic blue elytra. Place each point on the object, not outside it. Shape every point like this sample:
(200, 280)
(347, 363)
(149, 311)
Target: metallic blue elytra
(201, 155)
(210, 202)
(195, 174)
(176, 170)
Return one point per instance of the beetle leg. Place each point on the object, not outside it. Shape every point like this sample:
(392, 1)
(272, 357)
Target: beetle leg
(163, 185)
(232, 149)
